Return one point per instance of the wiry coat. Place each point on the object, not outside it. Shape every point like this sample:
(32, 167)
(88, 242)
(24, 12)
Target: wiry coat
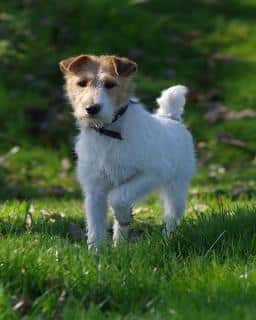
(156, 153)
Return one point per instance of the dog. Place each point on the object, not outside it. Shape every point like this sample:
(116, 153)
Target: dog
(124, 152)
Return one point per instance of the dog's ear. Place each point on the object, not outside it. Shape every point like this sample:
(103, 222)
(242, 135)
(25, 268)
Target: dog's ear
(73, 64)
(123, 66)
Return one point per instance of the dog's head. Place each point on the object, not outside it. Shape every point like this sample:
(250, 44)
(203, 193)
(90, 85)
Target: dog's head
(97, 86)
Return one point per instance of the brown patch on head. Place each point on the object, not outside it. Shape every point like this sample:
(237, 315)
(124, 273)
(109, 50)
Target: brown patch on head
(86, 75)
(124, 67)
(75, 64)
(119, 71)
(114, 65)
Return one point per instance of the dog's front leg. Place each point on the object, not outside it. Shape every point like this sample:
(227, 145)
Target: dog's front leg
(124, 197)
(121, 223)
(96, 208)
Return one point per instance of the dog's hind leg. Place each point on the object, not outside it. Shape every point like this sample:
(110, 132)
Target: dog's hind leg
(174, 201)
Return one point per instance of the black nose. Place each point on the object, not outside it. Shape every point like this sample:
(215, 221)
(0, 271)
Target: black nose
(93, 109)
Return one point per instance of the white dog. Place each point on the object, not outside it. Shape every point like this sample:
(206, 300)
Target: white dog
(124, 152)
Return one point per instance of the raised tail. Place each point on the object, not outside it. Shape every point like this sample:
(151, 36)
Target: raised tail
(171, 102)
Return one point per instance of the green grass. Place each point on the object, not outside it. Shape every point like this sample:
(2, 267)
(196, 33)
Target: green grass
(206, 270)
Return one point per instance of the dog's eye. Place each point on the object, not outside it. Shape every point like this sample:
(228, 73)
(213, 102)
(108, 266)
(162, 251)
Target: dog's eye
(82, 83)
(109, 85)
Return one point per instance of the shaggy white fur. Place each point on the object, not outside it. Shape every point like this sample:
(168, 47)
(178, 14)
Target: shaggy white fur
(156, 153)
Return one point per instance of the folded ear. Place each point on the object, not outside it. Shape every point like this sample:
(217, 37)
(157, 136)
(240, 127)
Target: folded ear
(124, 67)
(73, 64)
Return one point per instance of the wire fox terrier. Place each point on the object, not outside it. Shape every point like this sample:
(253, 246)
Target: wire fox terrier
(124, 152)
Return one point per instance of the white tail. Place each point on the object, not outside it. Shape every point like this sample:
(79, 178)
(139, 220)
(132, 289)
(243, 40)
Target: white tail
(171, 102)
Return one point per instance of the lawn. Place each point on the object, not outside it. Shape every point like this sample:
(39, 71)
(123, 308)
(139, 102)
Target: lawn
(207, 268)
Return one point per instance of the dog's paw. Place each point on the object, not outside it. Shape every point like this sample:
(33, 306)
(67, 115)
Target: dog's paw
(120, 232)
(169, 227)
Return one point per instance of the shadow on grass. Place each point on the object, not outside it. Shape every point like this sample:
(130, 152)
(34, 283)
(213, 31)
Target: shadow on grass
(17, 186)
(25, 192)
(230, 232)
(45, 226)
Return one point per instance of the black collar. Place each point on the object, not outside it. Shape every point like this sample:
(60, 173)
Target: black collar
(109, 133)
(118, 114)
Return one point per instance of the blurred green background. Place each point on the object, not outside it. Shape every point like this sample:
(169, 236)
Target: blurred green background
(208, 45)
(206, 270)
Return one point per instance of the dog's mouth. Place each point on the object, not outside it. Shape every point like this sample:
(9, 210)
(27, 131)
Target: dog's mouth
(91, 121)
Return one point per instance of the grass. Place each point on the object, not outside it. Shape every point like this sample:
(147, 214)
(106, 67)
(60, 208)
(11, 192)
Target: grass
(206, 270)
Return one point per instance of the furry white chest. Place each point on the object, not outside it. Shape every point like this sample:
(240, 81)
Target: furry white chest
(104, 160)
